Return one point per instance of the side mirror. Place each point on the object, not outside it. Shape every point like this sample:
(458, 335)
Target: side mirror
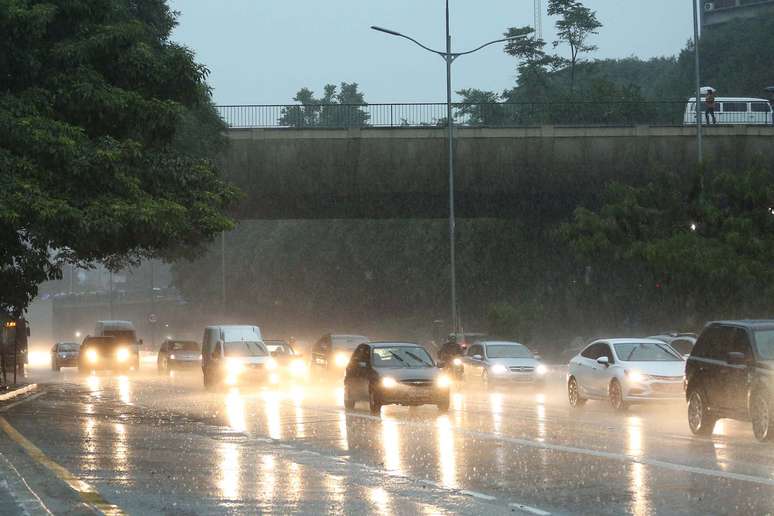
(735, 358)
(478, 357)
(603, 361)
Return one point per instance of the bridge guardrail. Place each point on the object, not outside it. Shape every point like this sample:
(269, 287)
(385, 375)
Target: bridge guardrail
(613, 113)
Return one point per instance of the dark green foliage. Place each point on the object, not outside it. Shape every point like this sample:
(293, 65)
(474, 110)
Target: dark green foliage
(339, 107)
(96, 108)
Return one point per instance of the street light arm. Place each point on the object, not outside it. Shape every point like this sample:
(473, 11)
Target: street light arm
(514, 38)
(394, 33)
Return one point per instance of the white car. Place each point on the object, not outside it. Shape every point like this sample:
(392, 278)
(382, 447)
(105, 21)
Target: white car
(495, 362)
(626, 371)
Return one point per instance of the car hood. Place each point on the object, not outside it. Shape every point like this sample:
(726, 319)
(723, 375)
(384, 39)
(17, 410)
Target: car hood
(657, 368)
(409, 373)
(509, 362)
(248, 360)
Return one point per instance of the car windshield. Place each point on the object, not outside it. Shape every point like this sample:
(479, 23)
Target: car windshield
(645, 352)
(764, 341)
(244, 348)
(68, 346)
(184, 346)
(100, 342)
(401, 356)
(122, 335)
(507, 351)
(278, 348)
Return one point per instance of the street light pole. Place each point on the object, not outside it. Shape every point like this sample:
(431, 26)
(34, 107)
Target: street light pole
(699, 142)
(452, 219)
(449, 57)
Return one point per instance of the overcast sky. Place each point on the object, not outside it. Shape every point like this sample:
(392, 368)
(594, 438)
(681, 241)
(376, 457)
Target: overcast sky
(263, 51)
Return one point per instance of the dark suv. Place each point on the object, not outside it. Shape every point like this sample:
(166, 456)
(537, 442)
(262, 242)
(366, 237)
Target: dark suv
(730, 374)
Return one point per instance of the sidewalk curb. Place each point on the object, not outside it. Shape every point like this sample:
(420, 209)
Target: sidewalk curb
(18, 392)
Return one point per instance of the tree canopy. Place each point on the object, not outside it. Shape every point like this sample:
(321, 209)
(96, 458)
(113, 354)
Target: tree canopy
(97, 109)
(340, 106)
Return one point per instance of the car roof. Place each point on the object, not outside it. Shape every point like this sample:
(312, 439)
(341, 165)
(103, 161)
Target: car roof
(501, 343)
(733, 99)
(347, 336)
(628, 340)
(747, 323)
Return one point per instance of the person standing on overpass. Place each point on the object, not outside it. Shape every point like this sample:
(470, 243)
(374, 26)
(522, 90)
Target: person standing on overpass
(709, 107)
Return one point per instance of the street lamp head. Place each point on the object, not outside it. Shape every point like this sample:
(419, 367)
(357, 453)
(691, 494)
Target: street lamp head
(386, 31)
(514, 38)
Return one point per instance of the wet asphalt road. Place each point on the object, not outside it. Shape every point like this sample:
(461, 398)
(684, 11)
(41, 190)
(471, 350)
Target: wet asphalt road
(159, 445)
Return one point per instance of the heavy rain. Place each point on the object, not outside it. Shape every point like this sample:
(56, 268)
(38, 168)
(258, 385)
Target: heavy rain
(446, 258)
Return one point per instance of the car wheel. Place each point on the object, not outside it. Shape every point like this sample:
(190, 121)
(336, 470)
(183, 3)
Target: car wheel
(616, 396)
(349, 403)
(699, 419)
(760, 413)
(443, 404)
(573, 394)
(374, 403)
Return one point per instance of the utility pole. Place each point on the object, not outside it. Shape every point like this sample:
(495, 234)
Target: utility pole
(223, 272)
(697, 70)
(538, 19)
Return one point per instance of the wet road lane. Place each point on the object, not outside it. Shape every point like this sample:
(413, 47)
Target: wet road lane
(155, 445)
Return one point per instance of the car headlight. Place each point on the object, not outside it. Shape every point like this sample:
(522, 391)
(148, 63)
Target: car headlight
(122, 354)
(443, 381)
(271, 364)
(499, 369)
(341, 359)
(62, 355)
(457, 361)
(172, 356)
(636, 376)
(298, 367)
(541, 369)
(91, 356)
(388, 383)
(234, 367)
(200, 357)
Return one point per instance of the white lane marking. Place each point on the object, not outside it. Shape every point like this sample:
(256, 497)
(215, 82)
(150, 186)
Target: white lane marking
(622, 457)
(476, 494)
(25, 400)
(35, 500)
(527, 508)
(18, 392)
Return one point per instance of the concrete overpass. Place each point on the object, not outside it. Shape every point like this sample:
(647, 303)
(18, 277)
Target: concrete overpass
(505, 172)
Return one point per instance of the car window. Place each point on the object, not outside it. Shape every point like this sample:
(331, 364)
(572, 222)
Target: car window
(476, 349)
(68, 346)
(605, 351)
(760, 107)
(507, 351)
(734, 107)
(764, 343)
(401, 357)
(592, 352)
(740, 343)
(645, 352)
(183, 346)
(244, 348)
(682, 346)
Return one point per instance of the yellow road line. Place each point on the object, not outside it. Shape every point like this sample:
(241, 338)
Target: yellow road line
(87, 493)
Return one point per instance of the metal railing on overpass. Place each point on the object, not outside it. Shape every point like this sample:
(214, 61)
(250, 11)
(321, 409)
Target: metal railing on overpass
(614, 113)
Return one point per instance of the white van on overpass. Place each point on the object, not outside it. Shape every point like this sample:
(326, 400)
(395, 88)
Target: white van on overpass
(732, 111)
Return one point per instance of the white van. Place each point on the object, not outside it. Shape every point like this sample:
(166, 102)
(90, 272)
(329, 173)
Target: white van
(234, 355)
(732, 111)
(124, 333)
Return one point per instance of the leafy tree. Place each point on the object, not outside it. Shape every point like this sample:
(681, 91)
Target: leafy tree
(340, 106)
(95, 106)
(575, 25)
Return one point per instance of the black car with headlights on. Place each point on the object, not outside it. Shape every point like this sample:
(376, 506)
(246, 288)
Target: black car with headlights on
(64, 354)
(105, 353)
(291, 366)
(394, 373)
(178, 354)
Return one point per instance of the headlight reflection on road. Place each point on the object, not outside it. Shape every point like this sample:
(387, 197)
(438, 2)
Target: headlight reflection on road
(496, 404)
(235, 411)
(272, 408)
(298, 398)
(391, 446)
(120, 453)
(229, 471)
(124, 390)
(88, 457)
(94, 384)
(268, 482)
(446, 453)
(540, 412)
(638, 481)
(380, 500)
